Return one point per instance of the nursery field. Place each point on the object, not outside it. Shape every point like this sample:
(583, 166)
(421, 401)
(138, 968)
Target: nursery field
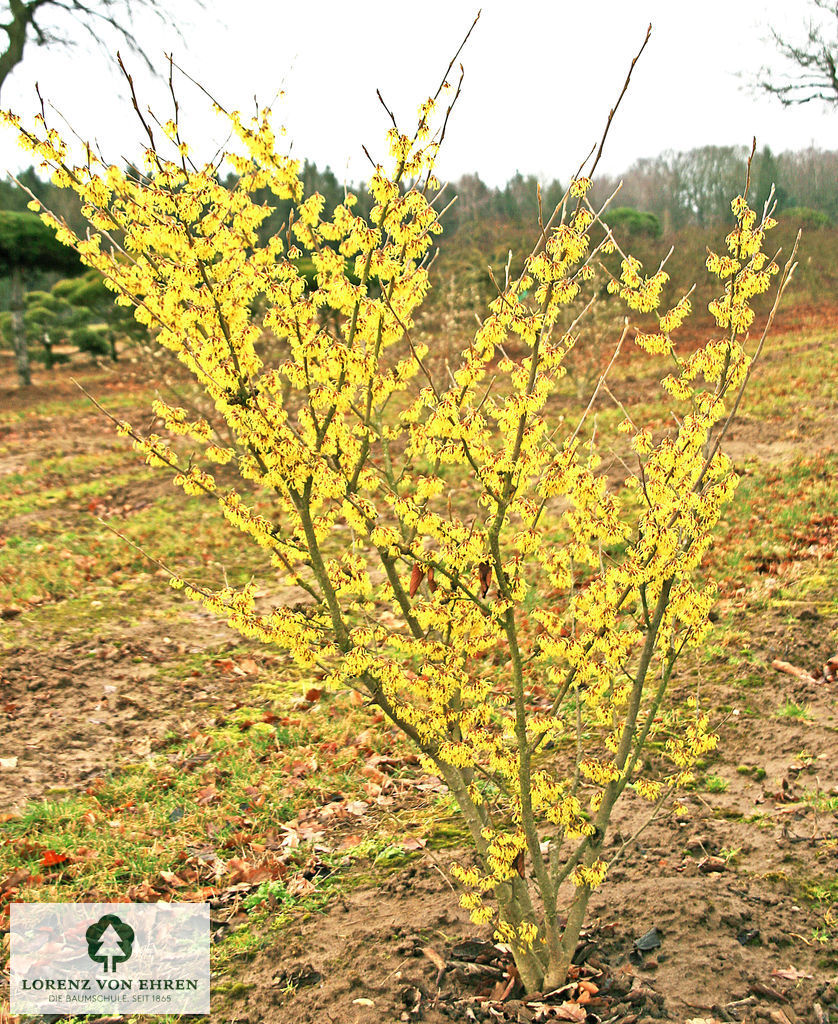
(149, 753)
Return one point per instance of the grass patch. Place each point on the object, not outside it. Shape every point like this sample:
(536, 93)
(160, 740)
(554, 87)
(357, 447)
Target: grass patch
(790, 709)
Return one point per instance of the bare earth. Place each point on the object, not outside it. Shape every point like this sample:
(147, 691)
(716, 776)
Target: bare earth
(737, 943)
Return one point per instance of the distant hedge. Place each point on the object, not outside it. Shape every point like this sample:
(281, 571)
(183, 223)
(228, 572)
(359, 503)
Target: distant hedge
(807, 218)
(626, 220)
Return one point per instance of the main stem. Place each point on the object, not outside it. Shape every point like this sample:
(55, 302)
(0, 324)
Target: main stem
(559, 966)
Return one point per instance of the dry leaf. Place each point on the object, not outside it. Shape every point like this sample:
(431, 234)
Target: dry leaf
(416, 576)
(300, 887)
(791, 974)
(570, 1011)
(434, 957)
(13, 880)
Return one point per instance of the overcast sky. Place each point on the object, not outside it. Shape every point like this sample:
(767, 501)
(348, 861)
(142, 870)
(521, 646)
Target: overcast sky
(540, 79)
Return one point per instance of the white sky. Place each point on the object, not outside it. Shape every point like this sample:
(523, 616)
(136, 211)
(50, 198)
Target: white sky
(540, 79)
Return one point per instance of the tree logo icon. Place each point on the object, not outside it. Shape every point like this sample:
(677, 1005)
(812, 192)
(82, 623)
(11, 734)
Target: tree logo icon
(110, 939)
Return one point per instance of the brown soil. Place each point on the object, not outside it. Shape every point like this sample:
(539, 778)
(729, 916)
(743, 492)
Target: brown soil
(75, 706)
(73, 710)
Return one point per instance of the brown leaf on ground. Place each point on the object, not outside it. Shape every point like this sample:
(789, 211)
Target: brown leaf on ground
(207, 795)
(170, 878)
(144, 892)
(13, 880)
(301, 887)
(51, 858)
(566, 1012)
(791, 974)
(239, 871)
(436, 959)
(779, 1017)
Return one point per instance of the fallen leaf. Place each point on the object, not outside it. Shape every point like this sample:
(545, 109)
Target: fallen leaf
(8, 762)
(51, 858)
(435, 958)
(651, 940)
(170, 878)
(301, 887)
(253, 874)
(791, 974)
(779, 1017)
(569, 1011)
(13, 880)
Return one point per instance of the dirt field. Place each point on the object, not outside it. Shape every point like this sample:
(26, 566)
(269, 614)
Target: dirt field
(101, 667)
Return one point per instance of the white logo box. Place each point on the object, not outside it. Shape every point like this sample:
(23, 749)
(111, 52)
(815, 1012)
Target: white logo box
(110, 958)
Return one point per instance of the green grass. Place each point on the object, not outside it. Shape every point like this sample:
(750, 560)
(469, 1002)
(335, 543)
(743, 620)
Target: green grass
(792, 710)
(77, 406)
(823, 803)
(229, 786)
(716, 784)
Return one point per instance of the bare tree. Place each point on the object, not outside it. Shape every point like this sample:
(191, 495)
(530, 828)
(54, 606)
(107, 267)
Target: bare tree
(61, 22)
(811, 72)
